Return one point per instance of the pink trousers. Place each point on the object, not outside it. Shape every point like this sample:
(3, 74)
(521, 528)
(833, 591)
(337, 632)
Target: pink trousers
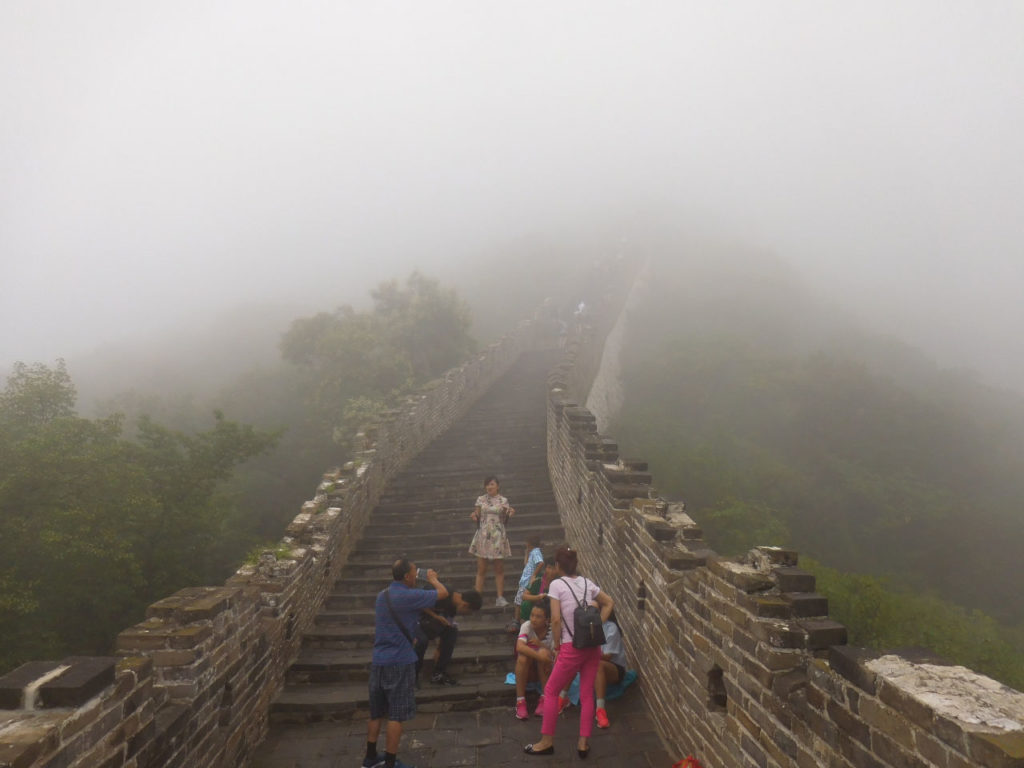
(570, 661)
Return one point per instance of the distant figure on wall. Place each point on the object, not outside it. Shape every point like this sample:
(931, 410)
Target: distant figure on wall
(490, 542)
(580, 316)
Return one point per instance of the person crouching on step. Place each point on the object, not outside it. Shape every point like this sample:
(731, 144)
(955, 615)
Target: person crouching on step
(534, 656)
(439, 622)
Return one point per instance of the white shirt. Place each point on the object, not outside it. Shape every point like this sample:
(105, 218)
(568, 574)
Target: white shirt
(529, 636)
(569, 592)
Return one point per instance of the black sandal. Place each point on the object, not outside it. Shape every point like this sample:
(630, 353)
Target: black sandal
(528, 749)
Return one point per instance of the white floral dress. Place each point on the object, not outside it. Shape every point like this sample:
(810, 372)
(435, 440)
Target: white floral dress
(490, 541)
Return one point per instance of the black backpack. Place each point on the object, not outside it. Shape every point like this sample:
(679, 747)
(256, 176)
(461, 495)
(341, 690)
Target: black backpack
(587, 630)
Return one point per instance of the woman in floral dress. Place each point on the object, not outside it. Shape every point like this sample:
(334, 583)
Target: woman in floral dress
(490, 544)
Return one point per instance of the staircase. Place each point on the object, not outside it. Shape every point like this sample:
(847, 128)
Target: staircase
(424, 516)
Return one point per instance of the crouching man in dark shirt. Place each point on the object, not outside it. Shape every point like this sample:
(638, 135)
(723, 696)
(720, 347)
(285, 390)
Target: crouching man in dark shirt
(393, 668)
(439, 622)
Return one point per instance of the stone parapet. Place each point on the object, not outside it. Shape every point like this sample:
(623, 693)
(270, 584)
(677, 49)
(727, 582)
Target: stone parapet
(738, 659)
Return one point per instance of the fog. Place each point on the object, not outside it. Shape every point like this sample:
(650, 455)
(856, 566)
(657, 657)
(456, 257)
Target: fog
(162, 164)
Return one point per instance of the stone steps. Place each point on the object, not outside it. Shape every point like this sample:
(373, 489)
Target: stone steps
(301, 703)
(413, 540)
(424, 515)
(439, 556)
(353, 636)
(473, 655)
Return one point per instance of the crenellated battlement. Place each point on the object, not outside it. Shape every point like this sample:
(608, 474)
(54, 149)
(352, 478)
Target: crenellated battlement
(738, 659)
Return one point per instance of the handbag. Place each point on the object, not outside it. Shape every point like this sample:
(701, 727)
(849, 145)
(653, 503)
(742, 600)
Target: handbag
(588, 629)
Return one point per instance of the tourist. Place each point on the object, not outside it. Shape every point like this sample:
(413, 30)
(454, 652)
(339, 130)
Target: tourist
(534, 656)
(537, 589)
(490, 543)
(612, 668)
(532, 566)
(567, 592)
(393, 666)
(439, 622)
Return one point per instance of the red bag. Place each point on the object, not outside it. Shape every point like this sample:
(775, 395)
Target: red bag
(689, 762)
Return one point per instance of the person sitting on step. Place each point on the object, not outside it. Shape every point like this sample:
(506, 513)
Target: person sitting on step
(538, 588)
(612, 669)
(439, 622)
(532, 567)
(534, 656)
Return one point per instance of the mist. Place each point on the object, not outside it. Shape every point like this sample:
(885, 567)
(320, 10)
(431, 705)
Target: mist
(164, 165)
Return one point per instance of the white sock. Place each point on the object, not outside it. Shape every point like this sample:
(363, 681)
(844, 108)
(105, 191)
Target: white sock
(564, 694)
(520, 698)
(600, 703)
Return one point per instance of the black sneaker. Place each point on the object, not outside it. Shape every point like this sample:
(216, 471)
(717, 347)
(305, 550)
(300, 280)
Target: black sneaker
(440, 678)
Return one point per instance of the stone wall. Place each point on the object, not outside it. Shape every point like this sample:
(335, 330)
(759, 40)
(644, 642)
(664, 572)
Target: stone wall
(191, 685)
(738, 659)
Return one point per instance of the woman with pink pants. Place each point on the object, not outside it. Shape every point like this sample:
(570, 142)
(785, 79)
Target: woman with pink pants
(566, 593)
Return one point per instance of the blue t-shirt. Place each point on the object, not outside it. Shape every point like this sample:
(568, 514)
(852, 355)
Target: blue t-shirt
(390, 646)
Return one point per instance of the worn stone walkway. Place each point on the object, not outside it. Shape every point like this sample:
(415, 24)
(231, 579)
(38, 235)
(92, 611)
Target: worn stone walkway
(490, 738)
(319, 719)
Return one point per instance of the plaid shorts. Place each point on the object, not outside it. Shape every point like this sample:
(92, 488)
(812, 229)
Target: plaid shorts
(393, 691)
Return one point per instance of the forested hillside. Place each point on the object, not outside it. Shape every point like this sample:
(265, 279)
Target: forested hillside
(778, 421)
(99, 517)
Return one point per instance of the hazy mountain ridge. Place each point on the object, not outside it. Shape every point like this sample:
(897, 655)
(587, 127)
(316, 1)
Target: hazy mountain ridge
(749, 395)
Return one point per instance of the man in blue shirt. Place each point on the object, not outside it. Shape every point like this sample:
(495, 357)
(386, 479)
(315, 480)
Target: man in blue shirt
(393, 669)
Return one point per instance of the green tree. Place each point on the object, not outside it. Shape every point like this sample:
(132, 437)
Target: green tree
(93, 526)
(413, 333)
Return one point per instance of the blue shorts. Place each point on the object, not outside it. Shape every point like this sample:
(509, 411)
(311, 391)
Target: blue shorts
(393, 691)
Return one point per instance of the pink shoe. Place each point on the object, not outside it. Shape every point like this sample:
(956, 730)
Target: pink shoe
(602, 719)
(521, 713)
(539, 711)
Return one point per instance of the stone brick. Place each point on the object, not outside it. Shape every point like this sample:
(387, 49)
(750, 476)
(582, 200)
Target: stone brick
(13, 683)
(190, 636)
(917, 713)
(892, 754)
(887, 721)
(848, 723)
(777, 658)
(849, 661)
(807, 604)
(769, 607)
(858, 756)
(779, 634)
(785, 685)
(778, 556)
(932, 750)
(950, 731)
(790, 579)
(823, 633)
(997, 750)
(19, 754)
(86, 677)
(753, 751)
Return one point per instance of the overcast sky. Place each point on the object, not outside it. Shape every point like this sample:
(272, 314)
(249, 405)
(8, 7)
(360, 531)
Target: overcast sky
(162, 161)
